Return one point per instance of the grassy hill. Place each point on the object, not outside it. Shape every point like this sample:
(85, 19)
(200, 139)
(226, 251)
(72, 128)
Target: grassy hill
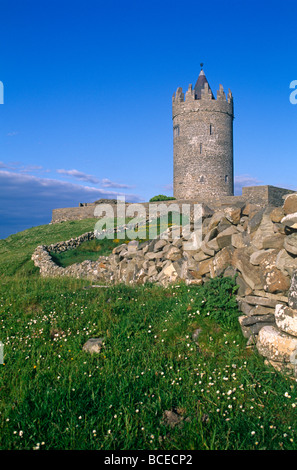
(153, 385)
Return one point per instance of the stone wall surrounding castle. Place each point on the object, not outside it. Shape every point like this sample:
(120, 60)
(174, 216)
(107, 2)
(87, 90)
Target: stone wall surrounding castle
(261, 195)
(203, 144)
(257, 244)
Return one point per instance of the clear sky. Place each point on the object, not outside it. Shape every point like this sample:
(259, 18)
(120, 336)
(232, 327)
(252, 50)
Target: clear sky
(88, 89)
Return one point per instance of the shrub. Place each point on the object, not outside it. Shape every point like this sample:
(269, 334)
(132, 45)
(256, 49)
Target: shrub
(161, 197)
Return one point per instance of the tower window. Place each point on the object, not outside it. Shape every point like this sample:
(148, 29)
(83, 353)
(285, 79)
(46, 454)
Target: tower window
(175, 131)
(210, 129)
(200, 148)
(226, 179)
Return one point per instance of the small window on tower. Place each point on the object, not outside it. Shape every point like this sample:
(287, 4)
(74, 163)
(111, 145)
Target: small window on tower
(176, 131)
(210, 129)
(200, 148)
(226, 179)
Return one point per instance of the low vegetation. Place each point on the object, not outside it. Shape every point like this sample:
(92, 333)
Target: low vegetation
(161, 197)
(174, 371)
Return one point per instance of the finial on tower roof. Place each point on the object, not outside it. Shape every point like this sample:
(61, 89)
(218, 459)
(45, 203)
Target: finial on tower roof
(201, 65)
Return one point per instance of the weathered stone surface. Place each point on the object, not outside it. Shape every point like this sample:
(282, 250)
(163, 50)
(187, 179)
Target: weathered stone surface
(204, 267)
(277, 214)
(276, 281)
(207, 250)
(263, 231)
(224, 238)
(290, 203)
(261, 310)
(249, 320)
(132, 246)
(250, 209)
(93, 345)
(286, 319)
(243, 306)
(286, 262)
(243, 288)
(173, 253)
(279, 297)
(160, 244)
(292, 294)
(252, 275)
(253, 329)
(210, 234)
(240, 240)
(275, 241)
(169, 271)
(222, 260)
(290, 243)
(257, 257)
(233, 214)
(255, 221)
(213, 245)
(275, 344)
(290, 220)
(261, 300)
(151, 255)
(200, 256)
(216, 219)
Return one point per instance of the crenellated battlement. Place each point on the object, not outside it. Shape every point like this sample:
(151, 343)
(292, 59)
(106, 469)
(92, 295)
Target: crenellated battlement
(186, 102)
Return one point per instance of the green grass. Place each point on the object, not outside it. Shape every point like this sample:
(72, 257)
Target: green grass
(54, 395)
(16, 250)
(88, 250)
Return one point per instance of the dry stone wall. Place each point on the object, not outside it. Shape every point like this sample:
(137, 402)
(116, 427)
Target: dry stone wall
(256, 243)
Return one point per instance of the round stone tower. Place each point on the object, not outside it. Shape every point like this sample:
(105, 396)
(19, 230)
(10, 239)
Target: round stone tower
(202, 142)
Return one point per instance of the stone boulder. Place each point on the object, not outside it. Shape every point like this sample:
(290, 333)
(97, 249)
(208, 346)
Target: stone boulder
(276, 345)
(290, 203)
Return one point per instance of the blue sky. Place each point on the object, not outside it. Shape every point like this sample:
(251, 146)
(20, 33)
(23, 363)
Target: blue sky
(88, 88)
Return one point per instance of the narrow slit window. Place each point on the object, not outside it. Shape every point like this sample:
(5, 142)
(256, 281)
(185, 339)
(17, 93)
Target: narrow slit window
(176, 131)
(210, 129)
(200, 148)
(226, 179)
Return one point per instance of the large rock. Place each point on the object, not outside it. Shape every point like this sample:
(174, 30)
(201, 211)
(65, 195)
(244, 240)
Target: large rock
(290, 220)
(276, 281)
(285, 262)
(255, 220)
(93, 345)
(252, 275)
(233, 214)
(264, 232)
(277, 214)
(261, 300)
(224, 238)
(222, 260)
(286, 319)
(204, 267)
(276, 345)
(173, 253)
(250, 326)
(260, 256)
(290, 243)
(290, 204)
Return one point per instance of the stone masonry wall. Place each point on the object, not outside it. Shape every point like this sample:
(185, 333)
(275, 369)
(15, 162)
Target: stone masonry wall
(261, 195)
(256, 244)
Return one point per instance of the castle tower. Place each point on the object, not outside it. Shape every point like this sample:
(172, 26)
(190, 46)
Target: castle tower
(202, 142)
